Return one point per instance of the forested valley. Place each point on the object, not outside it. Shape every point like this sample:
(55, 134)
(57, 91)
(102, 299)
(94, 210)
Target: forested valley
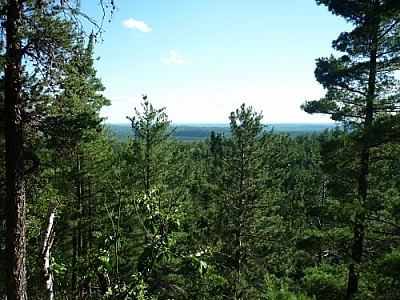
(255, 214)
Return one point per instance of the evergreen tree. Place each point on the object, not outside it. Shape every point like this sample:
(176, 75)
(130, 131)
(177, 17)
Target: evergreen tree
(155, 169)
(150, 139)
(362, 92)
(39, 32)
(76, 142)
(251, 176)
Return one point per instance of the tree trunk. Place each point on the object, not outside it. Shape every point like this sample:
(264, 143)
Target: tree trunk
(238, 253)
(357, 251)
(239, 224)
(15, 248)
(76, 286)
(47, 241)
(104, 281)
(359, 223)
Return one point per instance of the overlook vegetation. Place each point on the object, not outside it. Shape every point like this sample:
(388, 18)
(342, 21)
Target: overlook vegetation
(247, 213)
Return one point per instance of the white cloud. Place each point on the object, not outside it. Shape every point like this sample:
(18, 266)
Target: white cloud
(174, 58)
(138, 25)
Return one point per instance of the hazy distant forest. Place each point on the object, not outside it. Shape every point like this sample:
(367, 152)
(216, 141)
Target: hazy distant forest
(253, 214)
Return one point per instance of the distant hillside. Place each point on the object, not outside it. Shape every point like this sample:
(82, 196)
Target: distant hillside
(301, 128)
(197, 132)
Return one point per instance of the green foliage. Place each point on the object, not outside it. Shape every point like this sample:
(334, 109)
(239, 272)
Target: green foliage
(276, 290)
(150, 139)
(361, 92)
(75, 153)
(247, 213)
(158, 225)
(326, 282)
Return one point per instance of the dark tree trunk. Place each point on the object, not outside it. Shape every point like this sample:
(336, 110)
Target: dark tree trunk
(15, 185)
(239, 224)
(359, 223)
(79, 242)
(74, 261)
(321, 222)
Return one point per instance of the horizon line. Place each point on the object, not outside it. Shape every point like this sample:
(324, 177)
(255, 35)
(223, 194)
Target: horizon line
(217, 123)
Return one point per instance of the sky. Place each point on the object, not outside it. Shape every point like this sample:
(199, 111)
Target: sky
(202, 59)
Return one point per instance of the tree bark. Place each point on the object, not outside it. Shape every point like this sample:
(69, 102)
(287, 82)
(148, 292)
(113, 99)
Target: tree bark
(239, 223)
(15, 248)
(47, 241)
(359, 223)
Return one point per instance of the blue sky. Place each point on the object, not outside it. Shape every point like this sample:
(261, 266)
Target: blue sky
(203, 59)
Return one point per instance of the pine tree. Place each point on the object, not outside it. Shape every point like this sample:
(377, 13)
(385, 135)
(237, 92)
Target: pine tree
(76, 142)
(155, 168)
(150, 139)
(251, 176)
(39, 33)
(361, 93)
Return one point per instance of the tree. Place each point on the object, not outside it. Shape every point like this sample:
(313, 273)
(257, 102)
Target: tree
(245, 164)
(76, 143)
(249, 175)
(155, 167)
(362, 93)
(151, 134)
(39, 32)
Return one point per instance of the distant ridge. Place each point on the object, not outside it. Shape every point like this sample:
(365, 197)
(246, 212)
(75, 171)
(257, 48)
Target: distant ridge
(197, 132)
(201, 124)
